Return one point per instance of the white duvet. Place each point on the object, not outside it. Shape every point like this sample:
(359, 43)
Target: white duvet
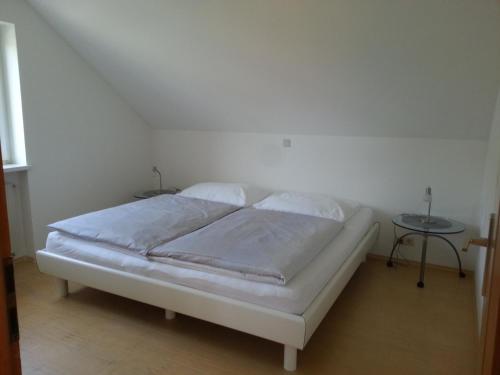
(259, 245)
(142, 225)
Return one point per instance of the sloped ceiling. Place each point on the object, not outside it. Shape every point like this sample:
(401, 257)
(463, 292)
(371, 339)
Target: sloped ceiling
(403, 68)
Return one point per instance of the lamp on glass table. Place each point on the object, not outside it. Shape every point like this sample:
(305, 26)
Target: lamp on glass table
(154, 193)
(428, 199)
(161, 190)
(426, 226)
(157, 171)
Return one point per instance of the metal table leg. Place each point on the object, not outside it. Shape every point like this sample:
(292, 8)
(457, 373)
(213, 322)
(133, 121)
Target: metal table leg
(420, 284)
(423, 258)
(461, 273)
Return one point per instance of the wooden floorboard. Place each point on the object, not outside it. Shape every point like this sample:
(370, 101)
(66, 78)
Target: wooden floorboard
(381, 324)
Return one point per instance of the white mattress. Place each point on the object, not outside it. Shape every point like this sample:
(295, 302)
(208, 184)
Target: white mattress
(294, 297)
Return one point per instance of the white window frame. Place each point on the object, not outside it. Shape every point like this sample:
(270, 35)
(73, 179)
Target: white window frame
(11, 113)
(5, 123)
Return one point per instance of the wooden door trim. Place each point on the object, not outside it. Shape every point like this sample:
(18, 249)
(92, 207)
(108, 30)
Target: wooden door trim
(490, 327)
(10, 362)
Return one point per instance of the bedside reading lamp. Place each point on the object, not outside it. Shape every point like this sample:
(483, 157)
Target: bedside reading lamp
(428, 199)
(161, 190)
(157, 171)
(154, 193)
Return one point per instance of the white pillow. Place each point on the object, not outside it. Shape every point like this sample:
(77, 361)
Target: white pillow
(311, 204)
(242, 195)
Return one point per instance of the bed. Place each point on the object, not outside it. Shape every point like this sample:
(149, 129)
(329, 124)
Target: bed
(288, 314)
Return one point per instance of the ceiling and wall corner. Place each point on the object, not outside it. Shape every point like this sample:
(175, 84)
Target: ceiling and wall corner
(352, 68)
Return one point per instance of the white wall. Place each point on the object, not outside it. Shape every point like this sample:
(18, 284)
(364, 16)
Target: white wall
(87, 148)
(489, 200)
(387, 174)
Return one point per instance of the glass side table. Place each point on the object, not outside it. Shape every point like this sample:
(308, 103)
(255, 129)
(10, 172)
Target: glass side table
(153, 193)
(421, 225)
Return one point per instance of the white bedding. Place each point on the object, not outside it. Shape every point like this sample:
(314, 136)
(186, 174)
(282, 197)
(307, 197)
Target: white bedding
(235, 194)
(313, 204)
(293, 297)
(259, 245)
(145, 224)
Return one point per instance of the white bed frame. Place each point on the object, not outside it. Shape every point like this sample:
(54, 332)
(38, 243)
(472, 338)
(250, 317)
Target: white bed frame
(293, 331)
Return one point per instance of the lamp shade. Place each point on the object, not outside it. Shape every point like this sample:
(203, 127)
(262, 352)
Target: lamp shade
(428, 194)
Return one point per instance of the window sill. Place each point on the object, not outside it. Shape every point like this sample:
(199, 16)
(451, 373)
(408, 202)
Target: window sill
(11, 168)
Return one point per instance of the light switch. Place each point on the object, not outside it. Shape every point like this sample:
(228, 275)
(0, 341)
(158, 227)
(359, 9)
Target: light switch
(287, 142)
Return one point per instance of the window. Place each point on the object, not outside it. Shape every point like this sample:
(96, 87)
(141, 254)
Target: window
(11, 116)
(4, 117)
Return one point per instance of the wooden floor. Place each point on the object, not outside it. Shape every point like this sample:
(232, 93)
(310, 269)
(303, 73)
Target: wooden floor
(381, 324)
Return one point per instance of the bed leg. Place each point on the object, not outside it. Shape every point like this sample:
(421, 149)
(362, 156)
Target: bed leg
(62, 287)
(169, 314)
(290, 359)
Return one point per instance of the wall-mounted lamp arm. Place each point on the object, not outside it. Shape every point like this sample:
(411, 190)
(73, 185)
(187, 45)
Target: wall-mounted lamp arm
(156, 170)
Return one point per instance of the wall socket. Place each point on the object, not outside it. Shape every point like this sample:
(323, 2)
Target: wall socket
(407, 241)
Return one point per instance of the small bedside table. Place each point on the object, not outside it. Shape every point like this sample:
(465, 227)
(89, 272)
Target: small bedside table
(420, 225)
(153, 193)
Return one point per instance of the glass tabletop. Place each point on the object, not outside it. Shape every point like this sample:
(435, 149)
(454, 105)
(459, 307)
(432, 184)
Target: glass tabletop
(154, 193)
(434, 224)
